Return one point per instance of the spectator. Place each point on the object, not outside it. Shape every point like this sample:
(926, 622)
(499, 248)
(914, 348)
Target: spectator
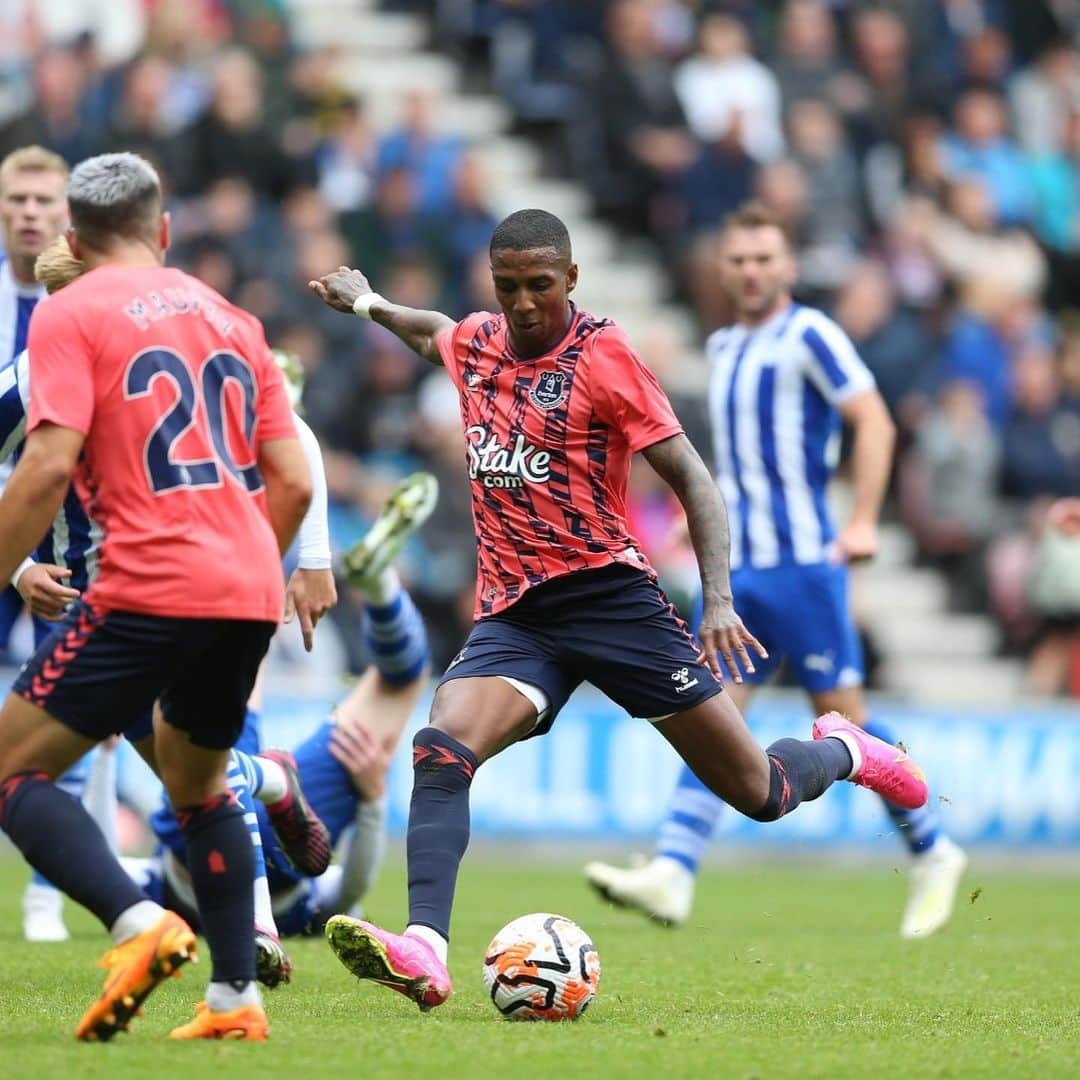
(966, 244)
(980, 147)
(1042, 438)
(1042, 94)
(819, 146)
(949, 485)
(807, 62)
(346, 161)
(890, 339)
(628, 137)
(429, 158)
(1055, 180)
(393, 225)
(232, 138)
(722, 81)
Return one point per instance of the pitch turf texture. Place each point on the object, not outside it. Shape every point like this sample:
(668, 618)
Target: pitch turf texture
(783, 973)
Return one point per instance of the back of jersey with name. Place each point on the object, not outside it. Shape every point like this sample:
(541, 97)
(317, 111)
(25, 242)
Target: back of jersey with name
(174, 389)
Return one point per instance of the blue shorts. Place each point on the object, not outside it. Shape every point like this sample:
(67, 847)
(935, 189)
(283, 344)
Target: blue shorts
(612, 627)
(801, 614)
(100, 671)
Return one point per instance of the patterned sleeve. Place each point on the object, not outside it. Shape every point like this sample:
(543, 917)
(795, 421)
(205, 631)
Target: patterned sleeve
(832, 362)
(626, 394)
(453, 343)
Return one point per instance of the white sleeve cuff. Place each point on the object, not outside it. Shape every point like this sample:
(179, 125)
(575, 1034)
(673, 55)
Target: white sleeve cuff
(19, 570)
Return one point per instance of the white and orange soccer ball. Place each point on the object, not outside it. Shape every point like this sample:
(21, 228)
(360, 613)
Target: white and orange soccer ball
(541, 967)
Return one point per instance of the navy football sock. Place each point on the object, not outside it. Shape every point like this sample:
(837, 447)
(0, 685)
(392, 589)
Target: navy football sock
(60, 840)
(222, 867)
(438, 826)
(801, 771)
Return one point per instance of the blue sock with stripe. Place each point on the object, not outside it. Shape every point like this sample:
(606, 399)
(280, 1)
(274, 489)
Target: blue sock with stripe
(691, 817)
(918, 828)
(395, 636)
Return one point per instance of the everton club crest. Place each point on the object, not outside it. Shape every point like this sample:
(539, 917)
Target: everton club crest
(549, 391)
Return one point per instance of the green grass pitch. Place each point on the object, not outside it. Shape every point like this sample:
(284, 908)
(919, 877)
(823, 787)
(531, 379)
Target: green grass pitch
(784, 972)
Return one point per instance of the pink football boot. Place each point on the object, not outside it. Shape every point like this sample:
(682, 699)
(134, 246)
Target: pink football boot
(404, 963)
(878, 766)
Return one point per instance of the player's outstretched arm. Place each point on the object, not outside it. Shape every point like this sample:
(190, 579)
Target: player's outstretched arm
(288, 487)
(349, 291)
(35, 491)
(679, 464)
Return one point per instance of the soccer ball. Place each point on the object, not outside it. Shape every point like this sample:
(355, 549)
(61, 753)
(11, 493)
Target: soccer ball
(541, 967)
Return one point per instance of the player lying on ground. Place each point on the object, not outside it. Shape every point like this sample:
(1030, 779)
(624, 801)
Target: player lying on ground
(342, 767)
(783, 378)
(310, 593)
(162, 401)
(554, 403)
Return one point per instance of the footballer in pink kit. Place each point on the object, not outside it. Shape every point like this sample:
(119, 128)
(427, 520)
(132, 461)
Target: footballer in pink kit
(554, 402)
(163, 403)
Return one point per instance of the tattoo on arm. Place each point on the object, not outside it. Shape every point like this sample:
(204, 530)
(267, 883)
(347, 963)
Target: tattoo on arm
(676, 461)
(418, 329)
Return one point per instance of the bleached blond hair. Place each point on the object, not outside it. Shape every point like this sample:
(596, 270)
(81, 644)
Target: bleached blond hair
(56, 267)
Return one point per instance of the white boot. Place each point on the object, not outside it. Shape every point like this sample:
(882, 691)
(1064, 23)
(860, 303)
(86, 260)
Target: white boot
(663, 889)
(43, 918)
(935, 878)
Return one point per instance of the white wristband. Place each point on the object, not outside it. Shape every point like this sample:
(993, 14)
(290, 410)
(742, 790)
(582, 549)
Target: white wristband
(24, 565)
(363, 304)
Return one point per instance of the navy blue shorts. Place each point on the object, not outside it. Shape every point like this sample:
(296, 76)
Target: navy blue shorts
(612, 627)
(100, 671)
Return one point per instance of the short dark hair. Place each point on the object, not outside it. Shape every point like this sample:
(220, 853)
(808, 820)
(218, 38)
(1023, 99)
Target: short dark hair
(531, 230)
(756, 215)
(113, 196)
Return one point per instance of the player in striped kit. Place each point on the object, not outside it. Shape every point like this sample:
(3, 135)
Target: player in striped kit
(783, 379)
(33, 211)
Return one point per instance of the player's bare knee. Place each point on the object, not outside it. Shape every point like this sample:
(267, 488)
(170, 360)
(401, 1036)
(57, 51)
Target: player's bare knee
(484, 714)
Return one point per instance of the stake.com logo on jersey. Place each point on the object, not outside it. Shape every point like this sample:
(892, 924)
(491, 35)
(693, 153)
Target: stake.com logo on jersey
(498, 466)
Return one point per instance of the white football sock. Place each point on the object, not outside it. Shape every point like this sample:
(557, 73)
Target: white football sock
(224, 997)
(264, 909)
(135, 920)
(384, 588)
(438, 943)
(275, 784)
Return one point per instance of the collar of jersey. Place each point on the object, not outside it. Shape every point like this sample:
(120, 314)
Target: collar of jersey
(554, 350)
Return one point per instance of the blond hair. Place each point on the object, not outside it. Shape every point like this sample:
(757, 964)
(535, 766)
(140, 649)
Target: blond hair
(56, 267)
(32, 159)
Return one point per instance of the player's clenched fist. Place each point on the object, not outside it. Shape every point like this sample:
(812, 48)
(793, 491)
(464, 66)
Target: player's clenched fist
(341, 289)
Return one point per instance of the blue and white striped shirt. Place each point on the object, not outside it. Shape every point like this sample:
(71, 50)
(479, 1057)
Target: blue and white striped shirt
(17, 303)
(74, 538)
(774, 393)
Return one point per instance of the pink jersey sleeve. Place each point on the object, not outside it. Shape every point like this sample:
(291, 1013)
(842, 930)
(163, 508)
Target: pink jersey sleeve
(61, 369)
(626, 393)
(453, 342)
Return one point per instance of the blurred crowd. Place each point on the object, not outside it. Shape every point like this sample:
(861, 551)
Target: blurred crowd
(925, 153)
